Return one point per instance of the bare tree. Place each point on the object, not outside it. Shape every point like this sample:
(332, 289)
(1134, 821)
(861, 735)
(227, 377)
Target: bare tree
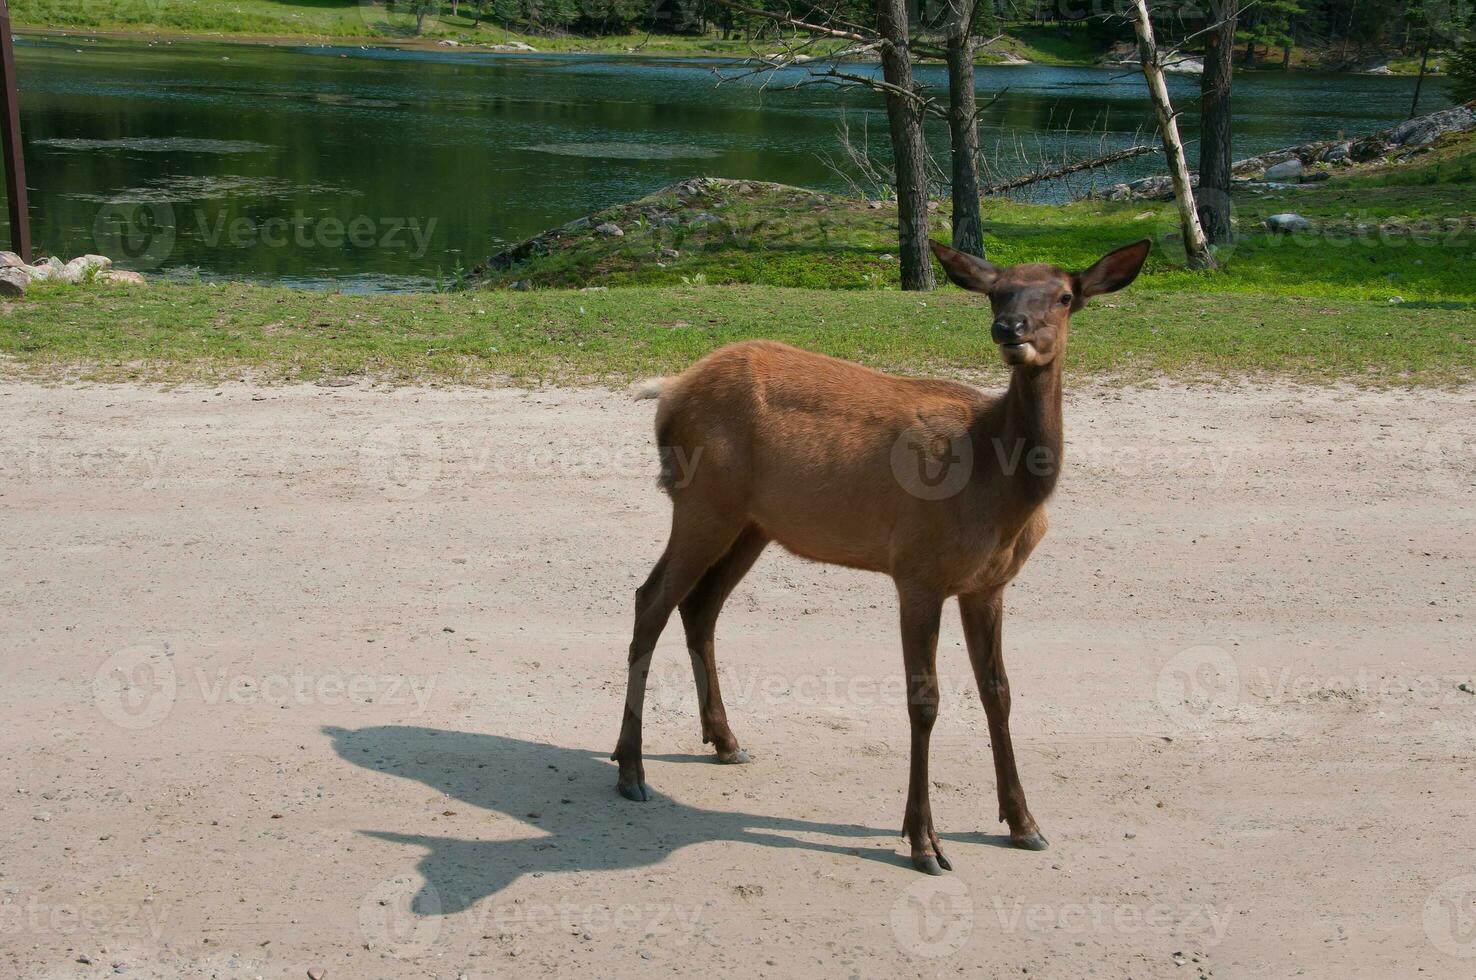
(1215, 122)
(963, 128)
(905, 117)
(1196, 249)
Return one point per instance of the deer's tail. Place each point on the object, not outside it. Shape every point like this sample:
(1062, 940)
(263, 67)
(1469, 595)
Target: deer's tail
(650, 388)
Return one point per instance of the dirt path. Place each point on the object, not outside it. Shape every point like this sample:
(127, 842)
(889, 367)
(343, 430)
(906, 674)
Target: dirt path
(326, 679)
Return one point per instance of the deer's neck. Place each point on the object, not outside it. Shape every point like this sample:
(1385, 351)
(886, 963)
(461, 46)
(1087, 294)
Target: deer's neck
(1027, 436)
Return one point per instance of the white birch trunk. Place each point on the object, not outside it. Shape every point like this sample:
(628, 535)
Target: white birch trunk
(1196, 248)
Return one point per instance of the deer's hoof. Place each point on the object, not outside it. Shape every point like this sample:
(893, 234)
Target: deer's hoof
(735, 758)
(1030, 842)
(637, 791)
(931, 864)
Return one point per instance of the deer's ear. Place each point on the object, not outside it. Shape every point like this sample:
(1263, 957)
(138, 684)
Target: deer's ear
(964, 270)
(1114, 270)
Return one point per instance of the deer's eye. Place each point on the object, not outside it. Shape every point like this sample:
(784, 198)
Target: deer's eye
(1066, 300)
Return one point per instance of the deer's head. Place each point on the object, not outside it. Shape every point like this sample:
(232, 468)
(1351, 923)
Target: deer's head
(1033, 304)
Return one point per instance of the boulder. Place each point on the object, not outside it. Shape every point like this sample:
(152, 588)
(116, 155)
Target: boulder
(1427, 129)
(610, 230)
(1287, 224)
(123, 276)
(13, 282)
(1185, 66)
(1380, 70)
(1285, 170)
(518, 46)
(9, 260)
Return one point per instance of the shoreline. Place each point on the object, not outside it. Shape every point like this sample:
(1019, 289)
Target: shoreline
(593, 47)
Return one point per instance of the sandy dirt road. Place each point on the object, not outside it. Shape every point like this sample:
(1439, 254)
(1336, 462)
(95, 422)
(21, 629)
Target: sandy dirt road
(326, 679)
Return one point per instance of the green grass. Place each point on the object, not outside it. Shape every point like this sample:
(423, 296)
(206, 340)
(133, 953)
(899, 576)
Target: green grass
(209, 333)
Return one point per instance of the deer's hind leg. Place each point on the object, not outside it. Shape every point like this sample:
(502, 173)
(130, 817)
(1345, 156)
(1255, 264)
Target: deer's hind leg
(699, 537)
(700, 610)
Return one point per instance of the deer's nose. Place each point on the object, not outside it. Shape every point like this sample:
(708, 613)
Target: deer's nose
(1008, 328)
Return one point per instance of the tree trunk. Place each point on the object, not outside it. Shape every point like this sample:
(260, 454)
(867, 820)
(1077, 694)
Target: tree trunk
(1414, 106)
(904, 115)
(963, 127)
(1215, 123)
(1196, 249)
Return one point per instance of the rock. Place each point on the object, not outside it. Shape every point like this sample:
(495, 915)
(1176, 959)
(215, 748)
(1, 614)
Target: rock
(96, 261)
(123, 276)
(670, 253)
(1287, 224)
(9, 260)
(1380, 70)
(1427, 129)
(702, 218)
(513, 46)
(1185, 66)
(316, 973)
(1010, 58)
(610, 230)
(13, 283)
(445, 42)
(1286, 170)
(874, 205)
(1338, 153)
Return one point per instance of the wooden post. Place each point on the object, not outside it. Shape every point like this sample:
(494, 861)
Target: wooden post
(10, 143)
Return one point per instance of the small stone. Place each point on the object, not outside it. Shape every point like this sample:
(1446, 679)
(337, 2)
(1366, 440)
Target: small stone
(610, 230)
(44, 816)
(1287, 223)
(316, 973)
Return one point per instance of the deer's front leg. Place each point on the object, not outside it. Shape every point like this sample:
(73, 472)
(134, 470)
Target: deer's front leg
(921, 609)
(982, 616)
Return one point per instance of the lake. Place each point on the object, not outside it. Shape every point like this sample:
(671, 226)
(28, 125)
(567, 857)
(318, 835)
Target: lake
(383, 169)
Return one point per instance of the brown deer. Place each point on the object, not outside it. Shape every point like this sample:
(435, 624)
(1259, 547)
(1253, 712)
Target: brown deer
(931, 482)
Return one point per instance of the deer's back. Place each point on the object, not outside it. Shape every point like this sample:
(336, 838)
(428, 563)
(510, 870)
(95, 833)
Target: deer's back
(803, 445)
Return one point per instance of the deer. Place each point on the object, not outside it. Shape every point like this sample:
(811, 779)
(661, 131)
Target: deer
(931, 482)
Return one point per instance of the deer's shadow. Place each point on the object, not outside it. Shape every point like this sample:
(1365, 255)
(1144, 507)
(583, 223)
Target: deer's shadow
(575, 820)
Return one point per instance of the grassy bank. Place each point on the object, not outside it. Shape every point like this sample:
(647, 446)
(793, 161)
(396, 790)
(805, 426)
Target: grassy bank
(1383, 232)
(1381, 293)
